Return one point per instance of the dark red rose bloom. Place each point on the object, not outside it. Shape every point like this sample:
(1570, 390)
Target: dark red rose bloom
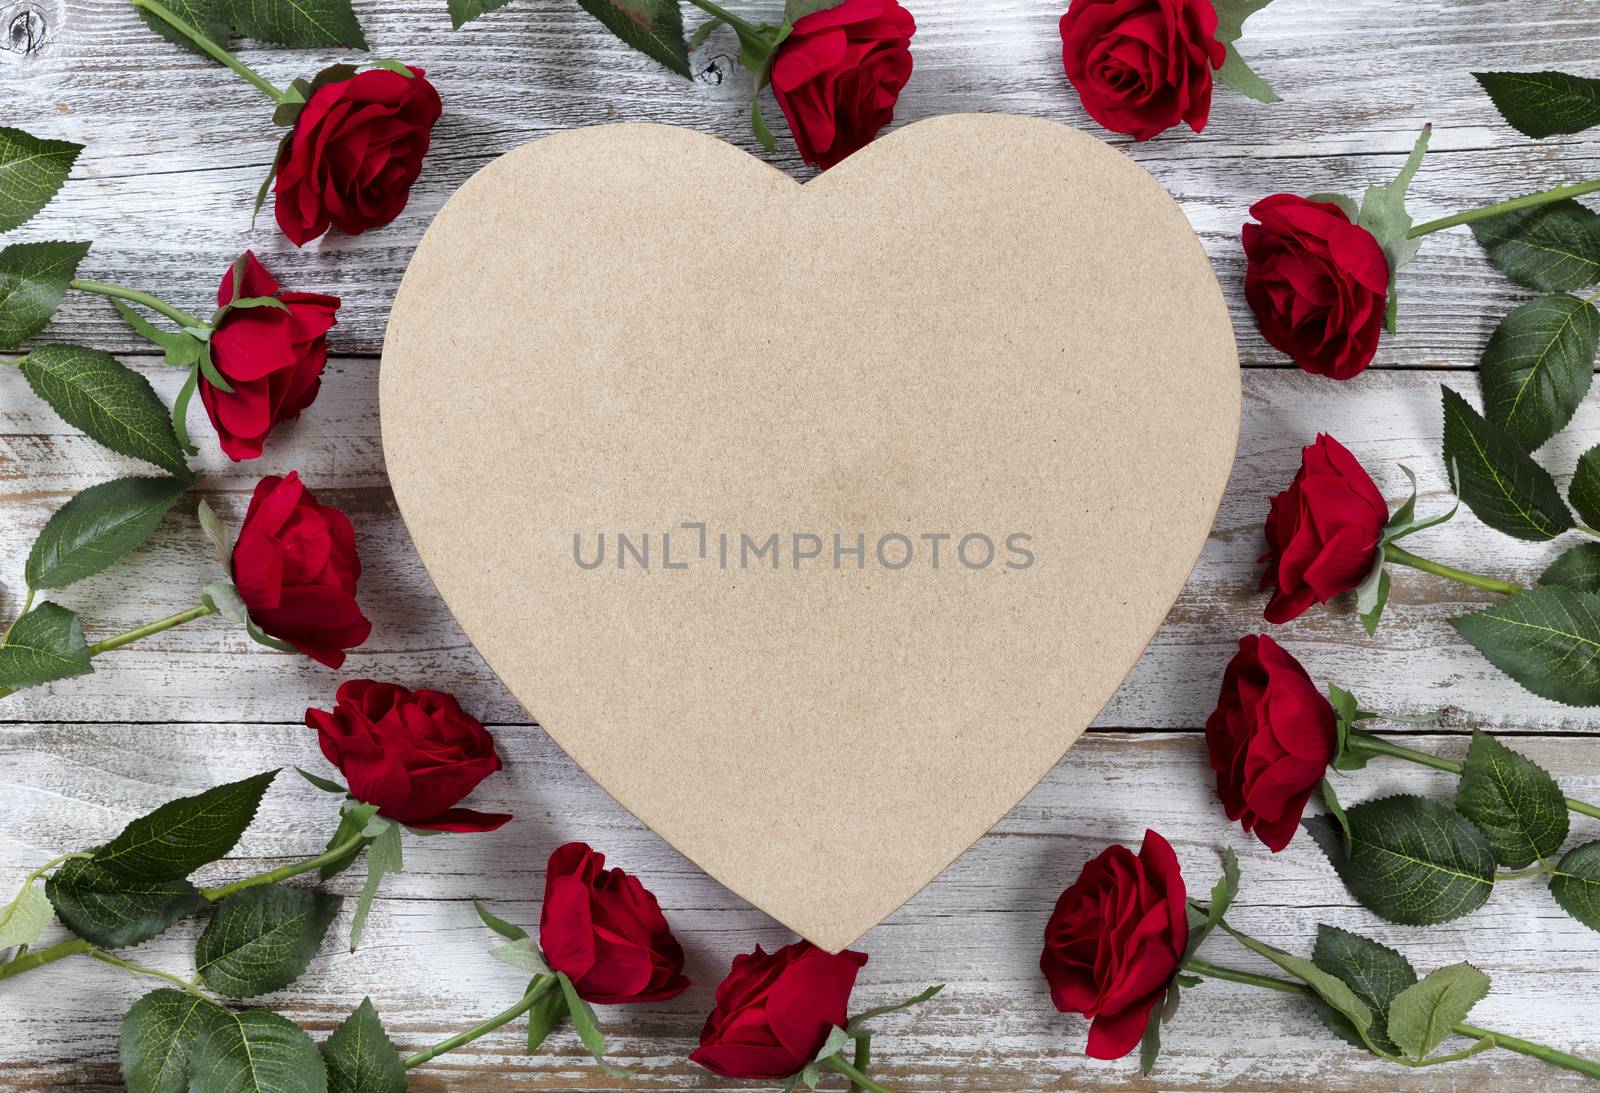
(272, 359)
(414, 754)
(839, 74)
(606, 931)
(296, 567)
(1270, 740)
(1322, 532)
(775, 1010)
(356, 148)
(1114, 942)
(1142, 66)
(1317, 283)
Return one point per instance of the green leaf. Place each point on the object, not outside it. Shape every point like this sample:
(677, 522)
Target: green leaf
(1376, 973)
(1553, 248)
(110, 401)
(327, 785)
(181, 348)
(1546, 638)
(1420, 1017)
(182, 835)
(1243, 79)
(114, 911)
(384, 856)
(1538, 366)
(1222, 895)
(796, 10)
(1372, 594)
(33, 279)
(299, 22)
(1330, 798)
(1513, 801)
(97, 527)
(179, 416)
(44, 645)
(1330, 988)
(1412, 860)
(1576, 884)
(545, 1015)
(360, 1056)
(653, 27)
(1383, 213)
(209, 17)
(255, 1052)
(855, 1023)
(1543, 104)
(25, 917)
(262, 938)
(522, 954)
(157, 1037)
(216, 533)
(499, 925)
(583, 1020)
(31, 171)
(1577, 568)
(1497, 479)
(1347, 711)
(1584, 492)
(353, 820)
(463, 12)
(223, 598)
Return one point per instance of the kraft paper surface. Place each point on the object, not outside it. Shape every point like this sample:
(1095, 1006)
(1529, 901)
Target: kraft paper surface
(639, 340)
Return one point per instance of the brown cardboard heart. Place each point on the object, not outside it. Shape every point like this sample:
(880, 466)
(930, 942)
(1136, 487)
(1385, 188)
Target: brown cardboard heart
(993, 329)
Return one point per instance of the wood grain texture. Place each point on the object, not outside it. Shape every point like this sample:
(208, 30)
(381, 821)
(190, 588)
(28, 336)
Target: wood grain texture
(176, 148)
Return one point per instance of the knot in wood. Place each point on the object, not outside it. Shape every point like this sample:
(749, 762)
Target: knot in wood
(23, 29)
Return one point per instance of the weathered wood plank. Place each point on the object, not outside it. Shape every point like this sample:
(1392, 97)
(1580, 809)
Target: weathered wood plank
(208, 672)
(977, 927)
(177, 146)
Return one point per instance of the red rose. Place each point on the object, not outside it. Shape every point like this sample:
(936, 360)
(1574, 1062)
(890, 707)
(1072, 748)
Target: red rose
(1317, 283)
(1114, 942)
(296, 568)
(1270, 740)
(838, 74)
(775, 1010)
(271, 357)
(356, 148)
(414, 754)
(606, 932)
(1142, 66)
(1322, 532)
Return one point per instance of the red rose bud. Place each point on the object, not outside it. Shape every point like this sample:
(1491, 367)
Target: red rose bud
(271, 357)
(839, 73)
(414, 754)
(606, 932)
(1115, 941)
(1323, 532)
(1317, 283)
(356, 148)
(296, 568)
(1142, 66)
(1270, 740)
(774, 1011)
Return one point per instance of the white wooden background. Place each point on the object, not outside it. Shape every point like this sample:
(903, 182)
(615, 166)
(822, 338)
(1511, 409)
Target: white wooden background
(176, 148)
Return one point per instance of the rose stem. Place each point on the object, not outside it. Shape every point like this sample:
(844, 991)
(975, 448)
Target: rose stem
(284, 872)
(77, 945)
(1516, 204)
(541, 986)
(1510, 1043)
(833, 1062)
(199, 611)
(1377, 745)
(1400, 556)
(182, 318)
(14, 362)
(863, 1057)
(743, 26)
(217, 53)
(27, 605)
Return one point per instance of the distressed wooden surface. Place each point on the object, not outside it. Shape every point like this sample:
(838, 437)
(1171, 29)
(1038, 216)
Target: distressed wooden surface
(176, 148)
